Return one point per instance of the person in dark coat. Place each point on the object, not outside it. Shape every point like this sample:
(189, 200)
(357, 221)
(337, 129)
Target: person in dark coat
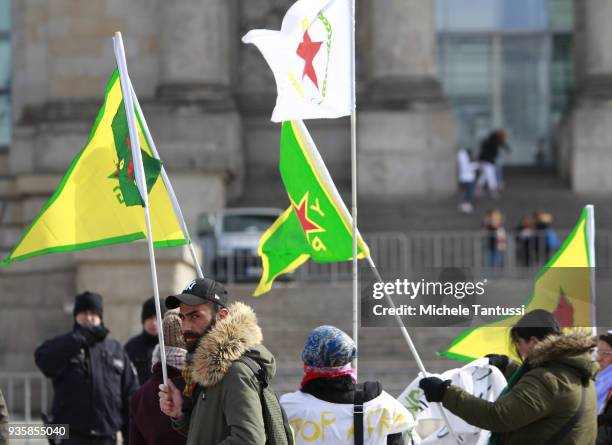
(148, 425)
(490, 149)
(92, 375)
(140, 348)
(550, 398)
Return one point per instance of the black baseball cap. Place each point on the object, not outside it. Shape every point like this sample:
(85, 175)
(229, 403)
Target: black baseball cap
(199, 291)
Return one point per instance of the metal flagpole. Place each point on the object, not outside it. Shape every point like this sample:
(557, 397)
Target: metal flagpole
(354, 196)
(173, 199)
(142, 186)
(591, 239)
(415, 353)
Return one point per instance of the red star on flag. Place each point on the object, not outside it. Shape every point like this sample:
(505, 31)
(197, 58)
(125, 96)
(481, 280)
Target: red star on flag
(564, 313)
(307, 50)
(301, 211)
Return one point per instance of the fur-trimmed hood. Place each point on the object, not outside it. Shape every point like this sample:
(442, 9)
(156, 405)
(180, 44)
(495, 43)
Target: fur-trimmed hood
(230, 338)
(571, 350)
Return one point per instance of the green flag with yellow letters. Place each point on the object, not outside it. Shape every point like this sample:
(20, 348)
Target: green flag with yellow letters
(317, 224)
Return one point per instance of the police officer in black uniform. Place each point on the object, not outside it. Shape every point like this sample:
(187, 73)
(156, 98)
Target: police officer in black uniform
(140, 348)
(93, 377)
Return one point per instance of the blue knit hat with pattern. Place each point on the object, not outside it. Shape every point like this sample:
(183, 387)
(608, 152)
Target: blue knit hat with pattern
(328, 347)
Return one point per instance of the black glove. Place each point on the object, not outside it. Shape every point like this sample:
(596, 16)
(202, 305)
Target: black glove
(434, 388)
(499, 361)
(90, 335)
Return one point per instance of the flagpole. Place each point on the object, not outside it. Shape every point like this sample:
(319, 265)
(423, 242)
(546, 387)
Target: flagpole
(413, 349)
(354, 195)
(166, 179)
(142, 186)
(591, 239)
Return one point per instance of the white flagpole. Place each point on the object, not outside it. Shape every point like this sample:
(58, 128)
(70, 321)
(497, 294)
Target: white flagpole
(166, 179)
(142, 186)
(591, 239)
(354, 194)
(415, 353)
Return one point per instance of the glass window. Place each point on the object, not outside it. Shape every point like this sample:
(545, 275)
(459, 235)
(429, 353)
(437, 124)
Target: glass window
(507, 63)
(463, 15)
(561, 15)
(523, 14)
(5, 15)
(466, 66)
(524, 94)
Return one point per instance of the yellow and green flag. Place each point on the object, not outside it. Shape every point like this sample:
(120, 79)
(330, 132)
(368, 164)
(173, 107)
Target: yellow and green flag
(562, 287)
(97, 202)
(317, 224)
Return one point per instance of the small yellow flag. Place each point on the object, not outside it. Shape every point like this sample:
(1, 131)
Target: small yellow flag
(564, 292)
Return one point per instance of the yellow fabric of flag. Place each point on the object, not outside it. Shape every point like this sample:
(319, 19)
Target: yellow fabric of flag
(562, 287)
(97, 202)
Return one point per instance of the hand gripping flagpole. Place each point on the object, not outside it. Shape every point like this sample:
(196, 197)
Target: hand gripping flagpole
(415, 353)
(142, 185)
(166, 179)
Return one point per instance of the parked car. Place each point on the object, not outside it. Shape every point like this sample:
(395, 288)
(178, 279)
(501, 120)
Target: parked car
(229, 241)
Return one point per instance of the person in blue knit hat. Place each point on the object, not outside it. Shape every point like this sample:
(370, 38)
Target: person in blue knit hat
(322, 411)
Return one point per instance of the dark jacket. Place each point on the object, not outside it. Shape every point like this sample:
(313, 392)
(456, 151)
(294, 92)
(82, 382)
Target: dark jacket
(148, 425)
(226, 406)
(140, 350)
(92, 384)
(3, 421)
(604, 422)
(342, 390)
(542, 401)
(489, 149)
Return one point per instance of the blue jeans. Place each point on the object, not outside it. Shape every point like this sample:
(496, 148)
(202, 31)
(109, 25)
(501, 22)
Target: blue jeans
(468, 191)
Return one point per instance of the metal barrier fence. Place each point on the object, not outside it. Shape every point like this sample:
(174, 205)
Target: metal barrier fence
(19, 390)
(394, 251)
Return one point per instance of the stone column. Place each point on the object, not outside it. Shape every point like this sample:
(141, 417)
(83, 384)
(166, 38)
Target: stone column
(406, 132)
(196, 49)
(196, 119)
(585, 149)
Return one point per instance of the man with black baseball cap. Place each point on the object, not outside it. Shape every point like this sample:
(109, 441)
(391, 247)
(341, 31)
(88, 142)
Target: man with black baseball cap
(224, 405)
(93, 377)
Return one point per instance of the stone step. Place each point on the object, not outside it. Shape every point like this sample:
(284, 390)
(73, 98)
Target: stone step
(526, 190)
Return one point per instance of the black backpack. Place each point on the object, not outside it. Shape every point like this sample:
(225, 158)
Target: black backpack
(278, 431)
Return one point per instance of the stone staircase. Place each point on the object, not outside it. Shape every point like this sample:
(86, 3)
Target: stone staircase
(526, 189)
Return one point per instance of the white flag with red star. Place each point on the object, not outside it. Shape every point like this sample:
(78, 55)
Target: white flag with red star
(311, 60)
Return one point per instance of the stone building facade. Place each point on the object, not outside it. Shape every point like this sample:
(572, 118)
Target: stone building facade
(208, 99)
